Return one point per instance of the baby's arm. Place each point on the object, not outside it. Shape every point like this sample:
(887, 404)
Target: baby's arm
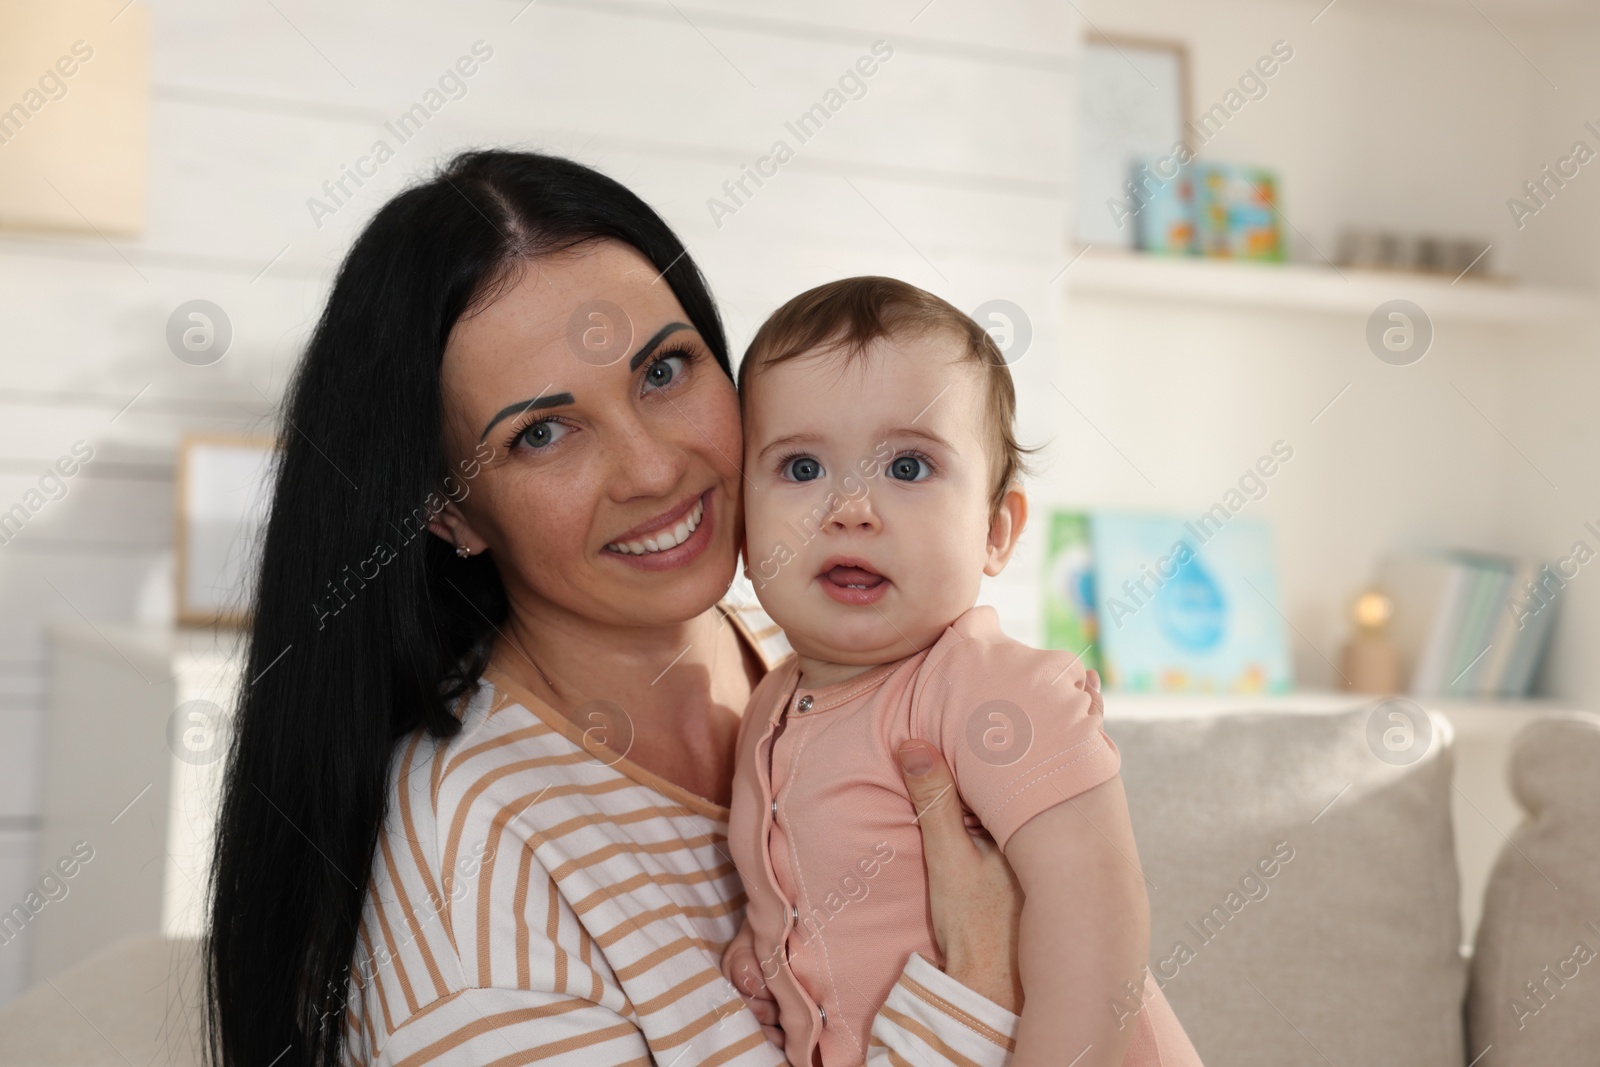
(1085, 930)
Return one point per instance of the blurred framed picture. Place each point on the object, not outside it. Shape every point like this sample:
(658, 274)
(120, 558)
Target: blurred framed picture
(1133, 104)
(224, 490)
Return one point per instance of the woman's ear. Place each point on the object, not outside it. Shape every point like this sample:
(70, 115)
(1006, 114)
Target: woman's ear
(452, 526)
(1005, 528)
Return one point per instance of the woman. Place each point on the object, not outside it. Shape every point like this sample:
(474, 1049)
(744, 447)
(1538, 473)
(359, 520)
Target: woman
(474, 807)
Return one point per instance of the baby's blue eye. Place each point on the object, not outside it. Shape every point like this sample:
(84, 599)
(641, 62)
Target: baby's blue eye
(803, 469)
(908, 469)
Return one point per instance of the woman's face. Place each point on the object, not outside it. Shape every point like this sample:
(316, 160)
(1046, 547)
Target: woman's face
(612, 492)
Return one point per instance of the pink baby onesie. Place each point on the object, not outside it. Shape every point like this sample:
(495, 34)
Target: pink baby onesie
(824, 835)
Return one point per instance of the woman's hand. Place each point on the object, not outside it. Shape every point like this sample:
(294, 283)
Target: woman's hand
(742, 967)
(974, 897)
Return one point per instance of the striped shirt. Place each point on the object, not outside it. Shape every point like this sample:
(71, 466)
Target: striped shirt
(536, 898)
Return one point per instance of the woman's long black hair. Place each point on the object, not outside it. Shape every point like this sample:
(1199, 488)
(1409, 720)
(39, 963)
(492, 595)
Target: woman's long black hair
(342, 662)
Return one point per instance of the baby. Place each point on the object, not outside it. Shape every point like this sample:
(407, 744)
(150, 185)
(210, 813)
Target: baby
(882, 486)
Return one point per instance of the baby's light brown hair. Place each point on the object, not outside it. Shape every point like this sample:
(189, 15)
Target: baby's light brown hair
(842, 318)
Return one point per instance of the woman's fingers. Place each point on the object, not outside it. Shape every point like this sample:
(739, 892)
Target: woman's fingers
(765, 1011)
(973, 898)
(974, 826)
(938, 806)
(745, 972)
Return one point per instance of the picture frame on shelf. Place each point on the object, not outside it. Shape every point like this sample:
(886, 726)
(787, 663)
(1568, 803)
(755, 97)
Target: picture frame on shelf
(223, 492)
(1133, 103)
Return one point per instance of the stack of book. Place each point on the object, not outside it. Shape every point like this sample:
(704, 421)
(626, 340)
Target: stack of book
(1469, 625)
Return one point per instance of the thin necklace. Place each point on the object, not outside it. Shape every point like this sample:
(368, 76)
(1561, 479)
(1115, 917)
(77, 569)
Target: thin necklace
(716, 652)
(532, 663)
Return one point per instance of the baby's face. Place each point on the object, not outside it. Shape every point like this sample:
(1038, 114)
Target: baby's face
(867, 519)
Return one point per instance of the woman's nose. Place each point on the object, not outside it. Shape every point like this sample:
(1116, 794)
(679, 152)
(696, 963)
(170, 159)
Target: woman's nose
(646, 460)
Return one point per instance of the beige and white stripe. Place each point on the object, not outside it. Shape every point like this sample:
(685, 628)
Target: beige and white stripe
(531, 903)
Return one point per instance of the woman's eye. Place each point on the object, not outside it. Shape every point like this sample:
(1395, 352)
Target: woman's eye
(543, 433)
(663, 372)
(803, 469)
(908, 469)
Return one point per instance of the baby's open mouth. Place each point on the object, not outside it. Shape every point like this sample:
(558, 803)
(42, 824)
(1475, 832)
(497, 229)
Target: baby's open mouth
(852, 584)
(852, 577)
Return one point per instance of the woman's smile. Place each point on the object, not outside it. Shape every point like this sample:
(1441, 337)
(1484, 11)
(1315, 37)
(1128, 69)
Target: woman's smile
(668, 541)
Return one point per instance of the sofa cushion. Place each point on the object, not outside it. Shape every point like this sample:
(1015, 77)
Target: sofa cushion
(135, 1002)
(1302, 882)
(1535, 993)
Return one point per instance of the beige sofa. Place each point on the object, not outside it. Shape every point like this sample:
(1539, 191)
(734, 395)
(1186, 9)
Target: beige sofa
(1302, 884)
(1348, 951)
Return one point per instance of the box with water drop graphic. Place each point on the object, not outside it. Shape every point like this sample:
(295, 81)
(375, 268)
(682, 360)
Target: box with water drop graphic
(1189, 605)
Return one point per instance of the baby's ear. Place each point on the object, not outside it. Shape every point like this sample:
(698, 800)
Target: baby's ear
(1005, 528)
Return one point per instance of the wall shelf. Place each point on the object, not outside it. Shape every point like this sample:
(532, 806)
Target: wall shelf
(1301, 287)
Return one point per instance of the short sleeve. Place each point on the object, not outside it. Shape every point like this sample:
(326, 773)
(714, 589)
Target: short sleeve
(1016, 724)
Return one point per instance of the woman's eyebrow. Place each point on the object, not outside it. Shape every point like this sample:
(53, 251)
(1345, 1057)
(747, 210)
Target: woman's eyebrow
(560, 399)
(650, 346)
(554, 400)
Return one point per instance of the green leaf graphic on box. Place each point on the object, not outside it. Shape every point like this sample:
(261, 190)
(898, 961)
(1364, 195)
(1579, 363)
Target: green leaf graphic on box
(1069, 614)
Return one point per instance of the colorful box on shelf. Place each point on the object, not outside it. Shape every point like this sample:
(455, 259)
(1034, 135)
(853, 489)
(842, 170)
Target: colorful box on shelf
(1221, 210)
(1165, 222)
(1159, 603)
